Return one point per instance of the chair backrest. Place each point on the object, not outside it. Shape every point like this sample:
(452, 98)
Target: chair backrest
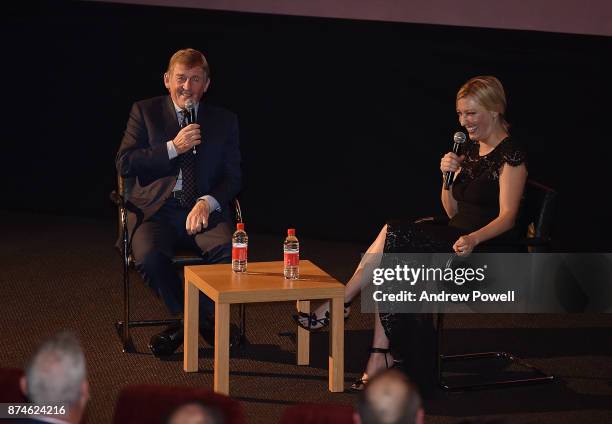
(125, 185)
(538, 209)
(150, 404)
(124, 188)
(318, 414)
(182, 257)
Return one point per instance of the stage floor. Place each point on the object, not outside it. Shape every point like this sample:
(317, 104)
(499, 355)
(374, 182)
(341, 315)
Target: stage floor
(64, 273)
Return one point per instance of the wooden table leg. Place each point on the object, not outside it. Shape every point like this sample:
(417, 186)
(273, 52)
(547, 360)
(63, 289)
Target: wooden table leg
(336, 346)
(222, 322)
(191, 323)
(303, 336)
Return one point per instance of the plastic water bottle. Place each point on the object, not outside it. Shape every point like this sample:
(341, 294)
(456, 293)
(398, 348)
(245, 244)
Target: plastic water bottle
(240, 243)
(292, 255)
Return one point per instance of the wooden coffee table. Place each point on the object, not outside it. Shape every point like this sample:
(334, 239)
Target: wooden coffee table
(264, 282)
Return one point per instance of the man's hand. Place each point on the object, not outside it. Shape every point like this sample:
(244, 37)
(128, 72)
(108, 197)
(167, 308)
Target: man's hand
(187, 138)
(197, 219)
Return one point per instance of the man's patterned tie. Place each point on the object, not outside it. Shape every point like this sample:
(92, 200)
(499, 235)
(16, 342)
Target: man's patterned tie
(187, 196)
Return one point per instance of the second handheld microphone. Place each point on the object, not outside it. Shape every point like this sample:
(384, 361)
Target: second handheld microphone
(458, 140)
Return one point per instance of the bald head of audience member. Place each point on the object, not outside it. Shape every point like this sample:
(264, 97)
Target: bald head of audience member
(56, 374)
(195, 413)
(390, 398)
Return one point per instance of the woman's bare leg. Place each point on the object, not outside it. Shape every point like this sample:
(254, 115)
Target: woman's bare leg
(362, 274)
(378, 361)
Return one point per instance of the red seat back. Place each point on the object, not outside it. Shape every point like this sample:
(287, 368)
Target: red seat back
(318, 414)
(10, 392)
(151, 404)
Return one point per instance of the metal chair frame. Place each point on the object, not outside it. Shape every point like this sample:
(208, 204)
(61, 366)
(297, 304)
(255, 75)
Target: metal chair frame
(538, 224)
(120, 197)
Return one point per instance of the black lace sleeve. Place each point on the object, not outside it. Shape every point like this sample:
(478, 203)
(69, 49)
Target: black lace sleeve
(512, 153)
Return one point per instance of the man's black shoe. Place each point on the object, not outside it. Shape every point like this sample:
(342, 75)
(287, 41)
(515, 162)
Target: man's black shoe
(166, 342)
(207, 331)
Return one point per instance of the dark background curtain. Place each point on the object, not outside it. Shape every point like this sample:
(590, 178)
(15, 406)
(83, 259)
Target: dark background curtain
(343, 123)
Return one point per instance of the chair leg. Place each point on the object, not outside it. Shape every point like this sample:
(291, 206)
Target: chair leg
(123, 327)
(439, 328)
(126, 342)
(538, 377)
(242, 325)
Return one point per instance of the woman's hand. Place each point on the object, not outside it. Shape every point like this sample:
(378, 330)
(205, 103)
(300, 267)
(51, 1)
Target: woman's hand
(451, 162)
(465, 245)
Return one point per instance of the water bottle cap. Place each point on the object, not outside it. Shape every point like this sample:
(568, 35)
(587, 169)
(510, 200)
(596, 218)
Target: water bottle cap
(240, 226)
(291, 232)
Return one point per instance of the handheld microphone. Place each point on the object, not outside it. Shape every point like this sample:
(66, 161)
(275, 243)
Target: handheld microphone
(458, 140)
(190, 116)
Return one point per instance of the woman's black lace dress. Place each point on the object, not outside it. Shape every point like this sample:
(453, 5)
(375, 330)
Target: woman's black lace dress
(476, 190)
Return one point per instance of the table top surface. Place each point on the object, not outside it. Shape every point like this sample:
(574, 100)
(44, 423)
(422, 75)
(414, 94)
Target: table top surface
(263, 280)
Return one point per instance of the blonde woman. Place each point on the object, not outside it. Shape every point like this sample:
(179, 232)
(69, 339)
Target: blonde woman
(482, 206)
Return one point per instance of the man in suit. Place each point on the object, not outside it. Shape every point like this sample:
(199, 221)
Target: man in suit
(56, 375)
(186, 175)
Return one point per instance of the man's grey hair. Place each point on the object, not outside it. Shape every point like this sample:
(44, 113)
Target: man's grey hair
(405, 411)
(56, 372)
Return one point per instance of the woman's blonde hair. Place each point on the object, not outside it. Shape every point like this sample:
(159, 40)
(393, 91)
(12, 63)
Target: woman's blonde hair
(488, 91)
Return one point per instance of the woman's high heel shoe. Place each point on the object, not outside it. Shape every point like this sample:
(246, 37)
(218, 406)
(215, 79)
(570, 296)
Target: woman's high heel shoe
(360, 384)
(313, 323)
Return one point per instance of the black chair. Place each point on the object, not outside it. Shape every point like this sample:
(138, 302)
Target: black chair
(181, 259)
(536, 219)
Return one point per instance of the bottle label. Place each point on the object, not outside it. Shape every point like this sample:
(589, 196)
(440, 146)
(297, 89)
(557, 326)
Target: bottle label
(292, 259)
(239, 253)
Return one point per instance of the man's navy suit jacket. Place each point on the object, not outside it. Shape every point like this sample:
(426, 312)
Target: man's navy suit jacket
(143, 154)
